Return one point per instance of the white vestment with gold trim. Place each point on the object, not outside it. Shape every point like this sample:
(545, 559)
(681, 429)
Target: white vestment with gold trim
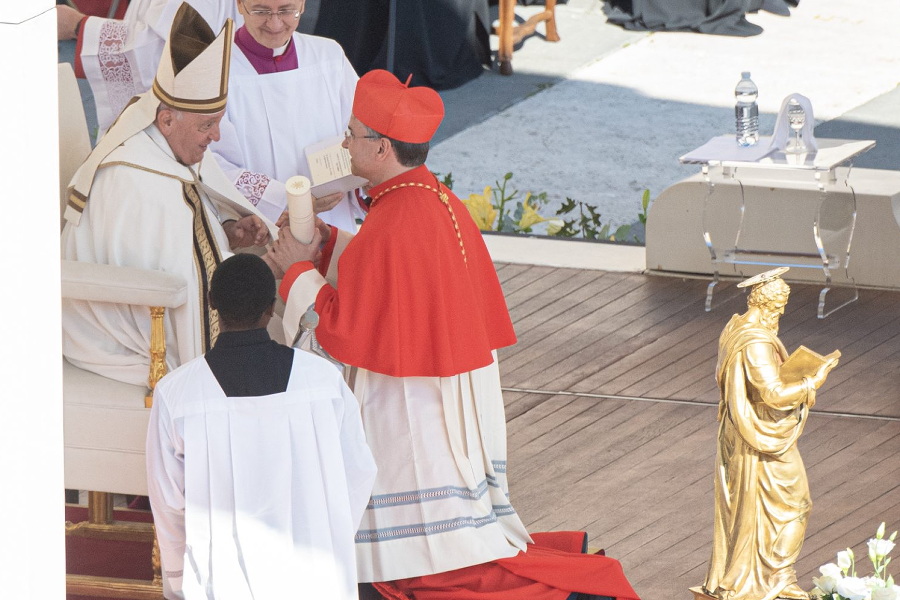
(137, 216)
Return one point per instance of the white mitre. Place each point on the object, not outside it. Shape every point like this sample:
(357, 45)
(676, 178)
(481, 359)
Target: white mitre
(192, 76)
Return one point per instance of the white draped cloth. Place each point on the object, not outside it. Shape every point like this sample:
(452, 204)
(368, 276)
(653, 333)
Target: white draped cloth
(271, 118)
(440, 500)
(120, 58)
(137, 216)
(257, 497)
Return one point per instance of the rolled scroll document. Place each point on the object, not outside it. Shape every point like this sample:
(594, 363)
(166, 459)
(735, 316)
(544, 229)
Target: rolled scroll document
(300, 209)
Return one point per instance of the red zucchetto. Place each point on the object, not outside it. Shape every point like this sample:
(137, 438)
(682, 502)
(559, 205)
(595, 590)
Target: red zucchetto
(393, 109)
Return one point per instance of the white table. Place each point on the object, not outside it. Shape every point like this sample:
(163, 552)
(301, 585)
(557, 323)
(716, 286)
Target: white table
(722, 159)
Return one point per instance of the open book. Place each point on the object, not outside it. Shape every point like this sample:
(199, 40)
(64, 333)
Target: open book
(803, 362)
(329, 167)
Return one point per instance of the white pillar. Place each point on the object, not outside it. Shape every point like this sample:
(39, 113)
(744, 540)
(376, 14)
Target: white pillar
(32, 544)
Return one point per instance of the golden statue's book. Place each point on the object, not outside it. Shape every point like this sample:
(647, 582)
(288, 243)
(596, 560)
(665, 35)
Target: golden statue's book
(803, 362)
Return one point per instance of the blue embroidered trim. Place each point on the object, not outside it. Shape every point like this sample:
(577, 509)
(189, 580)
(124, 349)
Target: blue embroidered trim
(499, 466)
(370, 536)
(428, 495)
(420, 529)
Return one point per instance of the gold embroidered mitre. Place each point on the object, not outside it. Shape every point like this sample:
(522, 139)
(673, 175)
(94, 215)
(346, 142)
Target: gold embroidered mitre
(192, 76)
(193, 70)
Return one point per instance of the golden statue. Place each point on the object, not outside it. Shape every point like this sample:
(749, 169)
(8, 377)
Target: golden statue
(761, 490)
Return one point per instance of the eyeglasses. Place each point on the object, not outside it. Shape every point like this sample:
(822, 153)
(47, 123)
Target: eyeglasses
(283, 14)
(348, 135)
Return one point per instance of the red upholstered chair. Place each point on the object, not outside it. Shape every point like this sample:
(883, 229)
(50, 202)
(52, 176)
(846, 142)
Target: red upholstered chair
(511, 34)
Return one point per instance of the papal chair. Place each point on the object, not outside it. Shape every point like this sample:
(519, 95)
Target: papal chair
(105, 421)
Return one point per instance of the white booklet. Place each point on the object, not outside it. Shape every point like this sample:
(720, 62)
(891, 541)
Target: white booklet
(329, 167)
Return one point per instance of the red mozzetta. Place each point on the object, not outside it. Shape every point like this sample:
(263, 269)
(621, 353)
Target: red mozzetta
(415, 296)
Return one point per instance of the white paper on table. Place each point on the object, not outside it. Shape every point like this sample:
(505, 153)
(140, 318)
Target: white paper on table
(725, 148)
(329, 167)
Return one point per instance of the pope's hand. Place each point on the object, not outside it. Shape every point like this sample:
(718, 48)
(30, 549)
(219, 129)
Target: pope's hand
(287, 250)
(247, 231)
(326, 203)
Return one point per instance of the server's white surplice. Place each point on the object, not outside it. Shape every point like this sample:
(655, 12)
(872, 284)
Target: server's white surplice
(258, 497)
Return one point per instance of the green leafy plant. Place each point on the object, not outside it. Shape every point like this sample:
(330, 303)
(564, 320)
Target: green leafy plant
(503, 208)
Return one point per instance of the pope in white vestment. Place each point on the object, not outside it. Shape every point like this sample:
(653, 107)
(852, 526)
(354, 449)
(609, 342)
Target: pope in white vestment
(137, 216)
(145, 200)
(273, 115)
(258, 497)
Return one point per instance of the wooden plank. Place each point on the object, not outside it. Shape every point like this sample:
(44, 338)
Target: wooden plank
(563, 362)
(637, 475)
(553, 295)
(549, 333)
(647, 498)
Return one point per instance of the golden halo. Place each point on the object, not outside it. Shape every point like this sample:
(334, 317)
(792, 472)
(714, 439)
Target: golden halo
(764, 277)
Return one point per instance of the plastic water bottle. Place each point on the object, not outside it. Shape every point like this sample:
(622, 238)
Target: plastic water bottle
(746, 112)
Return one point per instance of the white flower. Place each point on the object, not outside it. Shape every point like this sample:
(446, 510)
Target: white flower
(886, 593)
(873, 582)
(845, 559)
(826, 583)
(879, 548)
(831, 570)
(853, 588)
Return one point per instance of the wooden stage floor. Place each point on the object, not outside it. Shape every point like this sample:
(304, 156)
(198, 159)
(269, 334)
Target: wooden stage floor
(611, 409)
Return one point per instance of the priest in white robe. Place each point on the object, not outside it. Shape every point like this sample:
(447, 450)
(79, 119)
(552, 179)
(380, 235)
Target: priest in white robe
(287, 91)
(150, 196)
(258, 468)
(119, 58)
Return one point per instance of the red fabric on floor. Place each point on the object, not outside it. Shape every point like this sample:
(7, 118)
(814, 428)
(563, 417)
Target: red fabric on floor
(551, 569)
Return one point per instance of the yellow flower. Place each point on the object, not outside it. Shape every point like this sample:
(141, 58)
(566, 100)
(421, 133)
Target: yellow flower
(530, 215)
(481, 209)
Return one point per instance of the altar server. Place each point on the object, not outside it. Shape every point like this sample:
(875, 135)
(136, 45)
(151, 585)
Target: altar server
(257, 465)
